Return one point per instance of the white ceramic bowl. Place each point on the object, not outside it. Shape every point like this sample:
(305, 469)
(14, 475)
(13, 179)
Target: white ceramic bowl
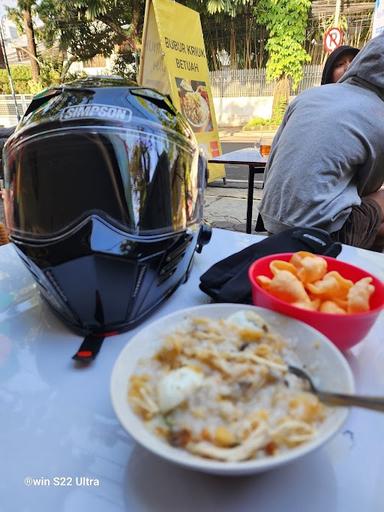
(332, 373)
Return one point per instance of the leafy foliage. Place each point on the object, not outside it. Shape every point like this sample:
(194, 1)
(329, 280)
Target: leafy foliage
(259, 123)
(286, 22)
(50, 71)
(93, 8)
(86, 28)
(22, 78)
(125, 65)
(73, 31)
(14, 14)
(231, 7)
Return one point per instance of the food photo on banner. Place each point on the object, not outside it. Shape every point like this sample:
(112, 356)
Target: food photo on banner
(194, 104)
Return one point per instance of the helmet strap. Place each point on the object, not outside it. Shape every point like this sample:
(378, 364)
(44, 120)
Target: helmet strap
(89, 348)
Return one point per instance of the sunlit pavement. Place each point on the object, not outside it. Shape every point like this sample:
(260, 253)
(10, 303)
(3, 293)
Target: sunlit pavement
(226, 208)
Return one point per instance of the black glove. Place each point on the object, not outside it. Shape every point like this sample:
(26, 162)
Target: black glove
(227, 280)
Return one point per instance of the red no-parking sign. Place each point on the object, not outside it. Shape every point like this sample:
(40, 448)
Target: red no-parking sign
(333, 38)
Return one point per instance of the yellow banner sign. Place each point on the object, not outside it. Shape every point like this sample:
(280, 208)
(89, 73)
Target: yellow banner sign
(174, 62)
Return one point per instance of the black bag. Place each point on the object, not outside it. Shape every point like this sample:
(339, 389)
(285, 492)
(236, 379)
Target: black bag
(227, 280)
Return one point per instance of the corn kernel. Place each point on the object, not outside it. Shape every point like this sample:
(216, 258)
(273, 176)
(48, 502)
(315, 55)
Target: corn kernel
(223, 437)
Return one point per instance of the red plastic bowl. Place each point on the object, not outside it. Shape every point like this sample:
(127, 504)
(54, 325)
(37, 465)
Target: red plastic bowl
(344, 330)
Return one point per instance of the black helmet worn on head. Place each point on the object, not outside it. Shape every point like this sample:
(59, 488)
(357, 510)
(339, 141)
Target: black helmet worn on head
(103, 199)
(326, 77)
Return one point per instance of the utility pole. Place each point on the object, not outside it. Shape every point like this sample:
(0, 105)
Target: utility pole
(2, 61)
(8, 71)
(337, 13)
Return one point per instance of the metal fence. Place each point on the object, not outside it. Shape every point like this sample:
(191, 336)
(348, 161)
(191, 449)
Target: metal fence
(224, 83)
(8, 115)
(253, 82)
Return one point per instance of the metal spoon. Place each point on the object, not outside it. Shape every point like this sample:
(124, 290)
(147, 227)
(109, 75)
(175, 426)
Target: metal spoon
(368, 402)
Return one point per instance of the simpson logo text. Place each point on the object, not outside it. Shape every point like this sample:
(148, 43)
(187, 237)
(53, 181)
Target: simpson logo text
(92, 111)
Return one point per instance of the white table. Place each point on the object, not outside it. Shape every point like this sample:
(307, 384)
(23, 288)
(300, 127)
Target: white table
(57, 420)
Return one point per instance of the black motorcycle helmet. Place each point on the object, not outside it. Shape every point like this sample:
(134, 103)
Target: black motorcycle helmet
(103, 199)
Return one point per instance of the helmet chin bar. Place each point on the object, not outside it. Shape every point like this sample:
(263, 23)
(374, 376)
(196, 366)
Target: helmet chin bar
(92, 343)
(112, 281)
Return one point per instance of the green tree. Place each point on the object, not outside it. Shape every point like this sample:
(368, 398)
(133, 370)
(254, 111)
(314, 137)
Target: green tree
(86, 28)
(127, 19)
(228, 13)
(124, 17)
(286, 22)
(231, 7)
(22, 14)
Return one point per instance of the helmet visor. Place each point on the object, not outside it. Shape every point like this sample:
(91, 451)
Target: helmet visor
(143, 182)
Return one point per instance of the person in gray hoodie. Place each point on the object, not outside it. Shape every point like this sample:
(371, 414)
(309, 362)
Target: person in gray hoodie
(326, 164)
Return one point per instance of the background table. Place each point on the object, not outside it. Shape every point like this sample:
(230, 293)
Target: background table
(256, 164)
(57, 420)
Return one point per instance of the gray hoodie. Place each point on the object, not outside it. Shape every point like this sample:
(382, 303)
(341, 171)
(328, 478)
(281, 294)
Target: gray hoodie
(329, 149)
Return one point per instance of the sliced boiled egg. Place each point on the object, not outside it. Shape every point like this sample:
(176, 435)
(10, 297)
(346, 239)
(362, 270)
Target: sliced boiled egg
(177, 386)
(247, 320)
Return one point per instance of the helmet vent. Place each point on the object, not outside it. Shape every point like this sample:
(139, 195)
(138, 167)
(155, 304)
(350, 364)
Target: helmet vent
(172, 259)
(139, 281)
(166, 275)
